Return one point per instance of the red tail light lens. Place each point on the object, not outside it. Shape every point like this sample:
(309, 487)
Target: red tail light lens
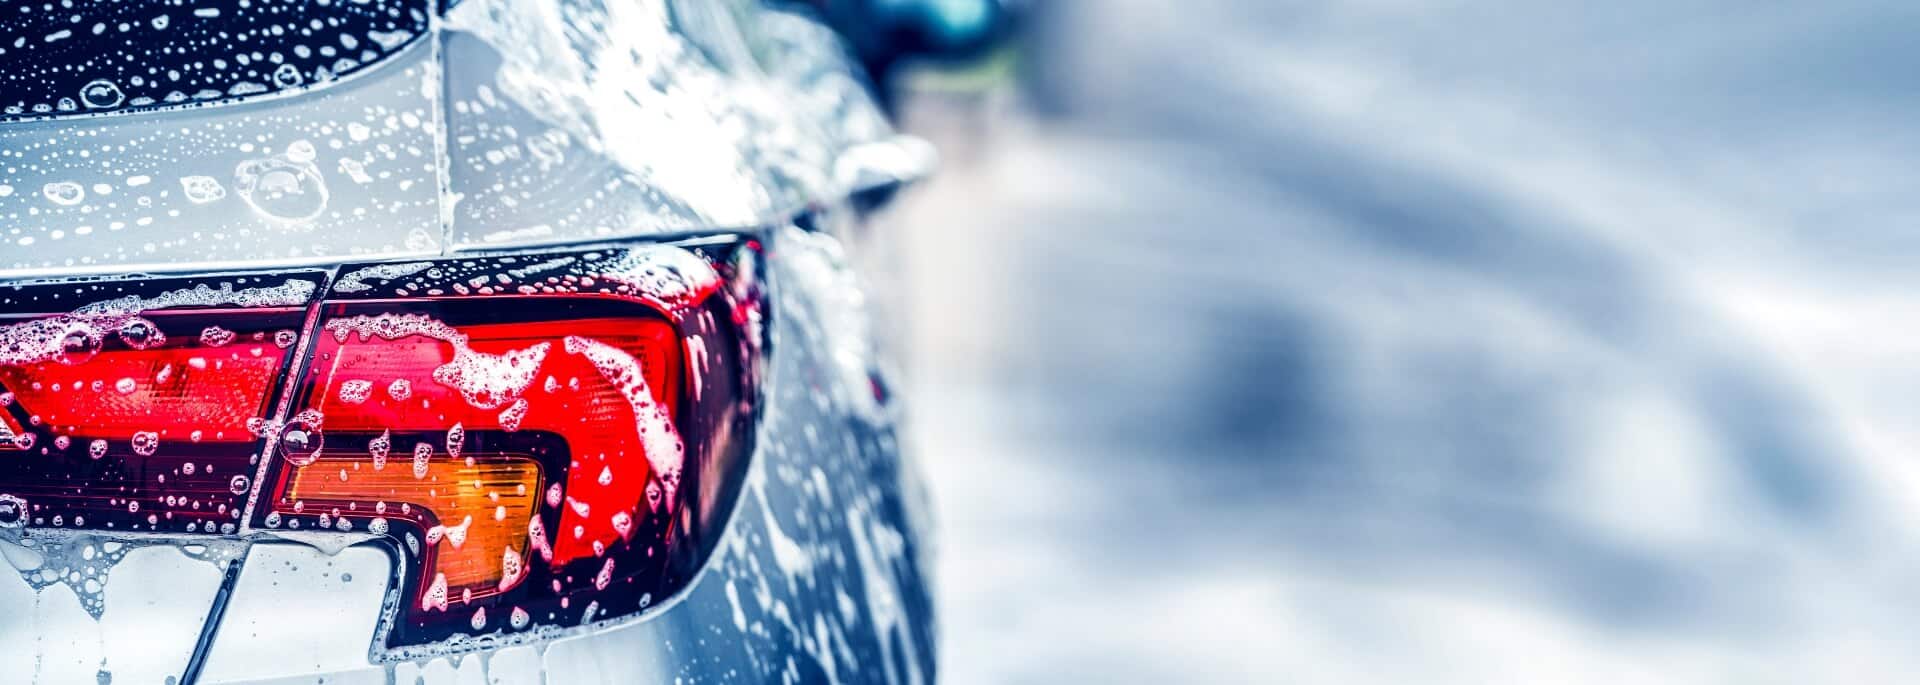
(140, 412)
(451, 434)
(177, 386)
(541, 442)
(534, 434)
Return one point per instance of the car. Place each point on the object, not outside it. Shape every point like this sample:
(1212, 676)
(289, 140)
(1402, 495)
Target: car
(442, 341)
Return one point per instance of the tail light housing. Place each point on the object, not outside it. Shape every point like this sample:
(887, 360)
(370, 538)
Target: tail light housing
(137, 407)
(540, 441)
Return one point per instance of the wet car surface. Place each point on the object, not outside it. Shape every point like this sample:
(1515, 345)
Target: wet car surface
(569, 271)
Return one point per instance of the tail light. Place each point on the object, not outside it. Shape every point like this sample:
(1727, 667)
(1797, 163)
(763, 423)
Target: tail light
(138, 410)
(540, 441)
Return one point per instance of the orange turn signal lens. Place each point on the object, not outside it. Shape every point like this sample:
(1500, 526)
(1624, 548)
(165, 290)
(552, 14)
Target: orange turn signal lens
(475, 508)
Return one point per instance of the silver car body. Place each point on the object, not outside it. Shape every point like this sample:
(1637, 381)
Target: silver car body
(502, 126)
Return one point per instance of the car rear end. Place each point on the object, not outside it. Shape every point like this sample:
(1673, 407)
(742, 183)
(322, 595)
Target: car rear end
(505, 342)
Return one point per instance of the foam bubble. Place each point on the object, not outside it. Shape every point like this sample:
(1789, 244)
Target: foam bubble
(355, 391)
(487, 381)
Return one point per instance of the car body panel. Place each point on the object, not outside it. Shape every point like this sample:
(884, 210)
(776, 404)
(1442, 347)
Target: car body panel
(156, 599)
(346, 170)
(508, 124)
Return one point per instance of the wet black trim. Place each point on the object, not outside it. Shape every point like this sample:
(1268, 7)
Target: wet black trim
(216, 614)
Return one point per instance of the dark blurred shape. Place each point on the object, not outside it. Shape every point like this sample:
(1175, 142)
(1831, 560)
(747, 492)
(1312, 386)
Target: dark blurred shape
(886, 34)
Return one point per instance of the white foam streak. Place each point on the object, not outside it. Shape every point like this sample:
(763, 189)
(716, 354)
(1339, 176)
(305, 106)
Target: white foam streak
(665, 451)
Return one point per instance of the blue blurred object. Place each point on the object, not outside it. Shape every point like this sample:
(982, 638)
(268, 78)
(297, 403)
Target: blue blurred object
(943, 23)
(886, 33)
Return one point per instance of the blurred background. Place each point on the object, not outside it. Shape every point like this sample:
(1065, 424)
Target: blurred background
(1438, 341)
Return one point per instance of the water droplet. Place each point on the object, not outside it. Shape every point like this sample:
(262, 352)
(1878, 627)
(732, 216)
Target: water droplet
(300, 151)
(215, 336)
(101, 94)
(379, 447)
(286, 187)
(79, 345)
(511, 417)
(145, 443)
(421, 453)
(141, 334)
(455, 535)
(202, 189)
(435, 598)
(64, 192)
(287, 76)
(456, 440)
(418, 239)
(537, 538)
(355, 170)
(238, 485)
(355, 391)
(512, 569)
(300, 442)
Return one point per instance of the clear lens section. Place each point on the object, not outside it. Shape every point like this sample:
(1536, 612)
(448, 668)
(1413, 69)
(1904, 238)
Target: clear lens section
(70, 58)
